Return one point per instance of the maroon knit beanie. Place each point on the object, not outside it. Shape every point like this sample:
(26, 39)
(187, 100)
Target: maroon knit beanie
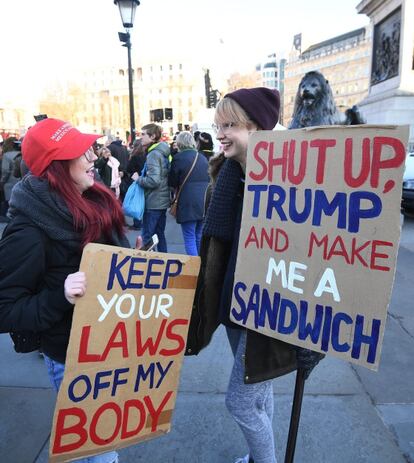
(261, 105)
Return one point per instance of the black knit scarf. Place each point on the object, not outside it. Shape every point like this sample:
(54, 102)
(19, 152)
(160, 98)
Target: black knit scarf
(222, 212)
(33, 198)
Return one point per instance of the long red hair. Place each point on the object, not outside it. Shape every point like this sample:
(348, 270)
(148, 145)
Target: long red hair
(96, 213)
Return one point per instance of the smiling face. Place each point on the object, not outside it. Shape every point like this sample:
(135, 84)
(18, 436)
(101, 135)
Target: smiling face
(234, 141)
(82, 170)
(233, 128)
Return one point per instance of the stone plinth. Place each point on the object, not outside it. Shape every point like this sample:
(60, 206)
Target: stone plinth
(391, 93)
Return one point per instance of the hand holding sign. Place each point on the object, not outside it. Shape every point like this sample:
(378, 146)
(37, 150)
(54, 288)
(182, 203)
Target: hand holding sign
(75, 286)
(125, 350)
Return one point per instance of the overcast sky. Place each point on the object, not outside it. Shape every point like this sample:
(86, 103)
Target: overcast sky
(41, 39)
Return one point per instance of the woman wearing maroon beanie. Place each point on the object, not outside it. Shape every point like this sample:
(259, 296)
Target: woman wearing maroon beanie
(257, 358)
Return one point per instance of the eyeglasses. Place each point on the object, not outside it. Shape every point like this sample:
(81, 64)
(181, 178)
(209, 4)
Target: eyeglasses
(90, 155)
(224, 127)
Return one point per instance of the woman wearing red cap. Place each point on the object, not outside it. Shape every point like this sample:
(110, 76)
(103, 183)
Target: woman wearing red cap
(257, 358)
(55, 211)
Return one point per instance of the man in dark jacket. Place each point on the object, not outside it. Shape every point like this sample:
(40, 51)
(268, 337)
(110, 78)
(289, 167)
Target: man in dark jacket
(155, 183)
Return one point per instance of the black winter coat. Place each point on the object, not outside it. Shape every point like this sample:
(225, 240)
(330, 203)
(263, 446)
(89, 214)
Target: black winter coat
(265, 357)
(192, 195)
(119, 152)
(136, 164)
(31, 285)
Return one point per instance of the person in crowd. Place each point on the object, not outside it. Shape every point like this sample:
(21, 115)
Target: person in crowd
(173, 146)
(137, 159)
(135, 165)
(108, 169)
(11, 150)
(205, 144)
(119, 152)
(155, 184)
(2, 200)
(55, 211)
(101, 165)
(189, 177)
(196, 135)
(257, 358)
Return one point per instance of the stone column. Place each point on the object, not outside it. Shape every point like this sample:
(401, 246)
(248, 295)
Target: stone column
(391, 94)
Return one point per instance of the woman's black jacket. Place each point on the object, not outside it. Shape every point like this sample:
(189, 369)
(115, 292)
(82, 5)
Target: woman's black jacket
(33, 269)
(265, 357)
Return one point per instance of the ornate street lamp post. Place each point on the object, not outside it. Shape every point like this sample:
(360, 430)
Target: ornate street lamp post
(127, 10)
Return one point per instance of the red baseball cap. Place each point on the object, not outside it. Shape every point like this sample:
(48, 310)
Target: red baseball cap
(51, 140)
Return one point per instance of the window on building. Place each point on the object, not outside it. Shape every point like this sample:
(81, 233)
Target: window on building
(121, 72)
(171, 67)
(180, 66)
(161, 67)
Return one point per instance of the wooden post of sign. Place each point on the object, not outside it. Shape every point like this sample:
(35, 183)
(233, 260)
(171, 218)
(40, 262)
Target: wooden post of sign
(295, 416)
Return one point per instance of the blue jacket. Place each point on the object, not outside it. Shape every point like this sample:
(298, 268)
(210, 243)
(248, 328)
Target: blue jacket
(192, 196)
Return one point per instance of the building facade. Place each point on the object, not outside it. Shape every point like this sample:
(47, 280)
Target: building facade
(171, 93)
(15, 118)
(343, 60)
(272, 75)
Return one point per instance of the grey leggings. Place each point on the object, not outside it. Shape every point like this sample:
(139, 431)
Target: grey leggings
(251, 405)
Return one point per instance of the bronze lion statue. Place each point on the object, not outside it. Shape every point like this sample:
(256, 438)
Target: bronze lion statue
(315, 105)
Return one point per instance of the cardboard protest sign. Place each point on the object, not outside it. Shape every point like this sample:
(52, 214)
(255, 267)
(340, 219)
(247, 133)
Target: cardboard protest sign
(321, 225)
(125, 351)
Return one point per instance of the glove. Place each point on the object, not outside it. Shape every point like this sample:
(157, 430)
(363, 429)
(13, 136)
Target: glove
(307, 359)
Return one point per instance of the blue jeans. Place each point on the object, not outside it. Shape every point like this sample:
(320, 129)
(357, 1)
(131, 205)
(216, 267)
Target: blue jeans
(154, 222)
(192, 236)
(55, 371)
